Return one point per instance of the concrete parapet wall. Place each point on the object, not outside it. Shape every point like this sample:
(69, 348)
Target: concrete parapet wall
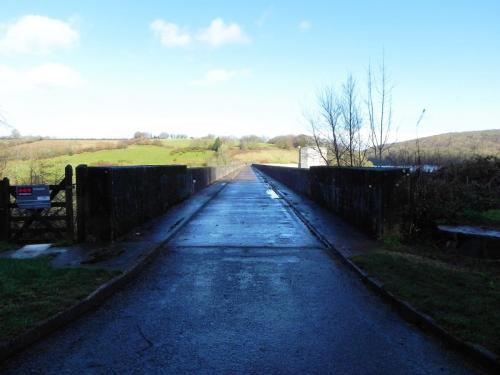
(113, 200)
(370, 198)
(297, 179)
(367, 197)
(203, 176)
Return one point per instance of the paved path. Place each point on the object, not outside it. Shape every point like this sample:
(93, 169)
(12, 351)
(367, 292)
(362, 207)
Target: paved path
(243, 288)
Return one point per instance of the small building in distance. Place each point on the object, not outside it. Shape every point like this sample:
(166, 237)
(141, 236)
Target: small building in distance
(311, 157)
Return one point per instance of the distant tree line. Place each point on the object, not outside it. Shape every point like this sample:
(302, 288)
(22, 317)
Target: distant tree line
(162, 135)
(289, 142)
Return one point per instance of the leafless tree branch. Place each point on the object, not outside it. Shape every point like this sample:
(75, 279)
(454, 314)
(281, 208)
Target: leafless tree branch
(379, 109)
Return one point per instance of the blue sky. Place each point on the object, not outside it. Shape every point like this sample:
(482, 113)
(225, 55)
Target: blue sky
(109, 68)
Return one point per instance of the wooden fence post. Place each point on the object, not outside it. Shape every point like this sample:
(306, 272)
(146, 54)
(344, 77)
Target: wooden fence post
(68, 188)
(81, 180)
(5, 209)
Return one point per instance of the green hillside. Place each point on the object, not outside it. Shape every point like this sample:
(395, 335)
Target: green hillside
(447, 147)
(25, 161)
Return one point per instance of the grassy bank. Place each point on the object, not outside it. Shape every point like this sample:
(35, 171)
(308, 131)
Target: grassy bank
(31, 291)
(461, 294)
(6, 246)
(488, 217)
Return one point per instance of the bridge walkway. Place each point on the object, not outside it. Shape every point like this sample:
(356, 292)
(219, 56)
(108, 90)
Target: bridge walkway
(243, 288)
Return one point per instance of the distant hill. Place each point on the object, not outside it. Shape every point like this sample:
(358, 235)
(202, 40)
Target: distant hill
(443, 148)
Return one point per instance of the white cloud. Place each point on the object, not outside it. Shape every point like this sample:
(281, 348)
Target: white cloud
(46, 75)
(170, 34)
(216, 34)
(304, 25)
(37, 35)
(216, 76)
(219, 33)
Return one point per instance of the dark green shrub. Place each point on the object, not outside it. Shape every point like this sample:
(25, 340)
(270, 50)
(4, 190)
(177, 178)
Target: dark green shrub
(452, 193)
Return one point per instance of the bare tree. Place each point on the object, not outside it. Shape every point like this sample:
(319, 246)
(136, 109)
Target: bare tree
(326, 128)
(352, 123)
(379, 109)
(319, 141)
(341, 125)
(318, 138)
(417, 140)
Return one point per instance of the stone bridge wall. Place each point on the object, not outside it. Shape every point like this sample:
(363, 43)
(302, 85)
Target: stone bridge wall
(370, 198)
(297, 179)
(203, 176)
(113, 200)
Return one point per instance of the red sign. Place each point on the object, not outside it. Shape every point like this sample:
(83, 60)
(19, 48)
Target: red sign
(25, 190)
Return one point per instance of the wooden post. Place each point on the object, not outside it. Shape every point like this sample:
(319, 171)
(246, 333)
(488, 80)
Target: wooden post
(68, 188)
(81, 180)
(5, 210)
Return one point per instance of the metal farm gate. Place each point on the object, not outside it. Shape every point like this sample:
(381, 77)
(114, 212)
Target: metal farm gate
(52, 223)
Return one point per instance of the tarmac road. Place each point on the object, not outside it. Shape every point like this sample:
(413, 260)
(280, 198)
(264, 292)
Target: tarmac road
(243, 288)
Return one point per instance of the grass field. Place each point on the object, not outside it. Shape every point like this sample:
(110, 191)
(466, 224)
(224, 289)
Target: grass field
(462, 294)
(47, 148)
(25, 157)
(267, 155)
(31, 291)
